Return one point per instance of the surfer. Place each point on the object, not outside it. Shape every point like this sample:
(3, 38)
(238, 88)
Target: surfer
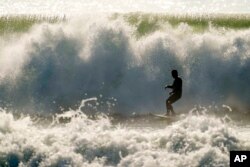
(175, 94)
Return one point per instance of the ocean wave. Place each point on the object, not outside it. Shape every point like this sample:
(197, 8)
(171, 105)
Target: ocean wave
(56, 65)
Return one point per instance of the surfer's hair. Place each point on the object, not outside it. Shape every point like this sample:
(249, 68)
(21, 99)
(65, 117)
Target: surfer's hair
(174, 72)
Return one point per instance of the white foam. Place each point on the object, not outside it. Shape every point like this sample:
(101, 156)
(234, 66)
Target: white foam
(192, 141)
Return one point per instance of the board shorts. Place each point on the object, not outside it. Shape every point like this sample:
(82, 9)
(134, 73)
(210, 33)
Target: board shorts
(174, 97)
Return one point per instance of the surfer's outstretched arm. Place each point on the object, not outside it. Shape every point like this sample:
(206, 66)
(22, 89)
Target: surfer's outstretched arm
(169, 86)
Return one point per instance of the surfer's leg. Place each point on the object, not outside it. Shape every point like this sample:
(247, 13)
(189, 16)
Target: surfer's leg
(169, 106)
(172, 111)
(173, 98)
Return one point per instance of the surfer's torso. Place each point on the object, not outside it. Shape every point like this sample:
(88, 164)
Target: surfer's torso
(177, 86)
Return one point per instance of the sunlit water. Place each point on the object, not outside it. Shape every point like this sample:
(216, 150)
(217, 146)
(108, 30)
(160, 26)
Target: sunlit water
(68, 7)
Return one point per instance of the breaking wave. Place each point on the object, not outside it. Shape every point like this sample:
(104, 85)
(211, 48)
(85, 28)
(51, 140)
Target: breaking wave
(56, 65)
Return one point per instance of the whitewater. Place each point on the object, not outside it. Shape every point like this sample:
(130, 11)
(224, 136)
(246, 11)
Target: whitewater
(196, 140)
(79, 81)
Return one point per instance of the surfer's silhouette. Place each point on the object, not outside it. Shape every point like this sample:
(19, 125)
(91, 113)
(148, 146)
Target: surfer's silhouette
(175, 94)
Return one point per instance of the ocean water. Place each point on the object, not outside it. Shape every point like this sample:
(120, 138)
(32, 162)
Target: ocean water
(80, 79)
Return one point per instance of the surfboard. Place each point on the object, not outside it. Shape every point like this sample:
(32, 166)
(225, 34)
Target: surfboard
(163, 116)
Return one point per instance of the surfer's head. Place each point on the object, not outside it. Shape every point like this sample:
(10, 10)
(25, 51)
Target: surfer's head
(174, 73)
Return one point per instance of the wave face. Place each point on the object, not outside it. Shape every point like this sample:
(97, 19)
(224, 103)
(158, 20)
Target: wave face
(56, 65)
(193, 141)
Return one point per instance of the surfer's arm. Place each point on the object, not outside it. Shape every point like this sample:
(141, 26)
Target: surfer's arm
(169, 86)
